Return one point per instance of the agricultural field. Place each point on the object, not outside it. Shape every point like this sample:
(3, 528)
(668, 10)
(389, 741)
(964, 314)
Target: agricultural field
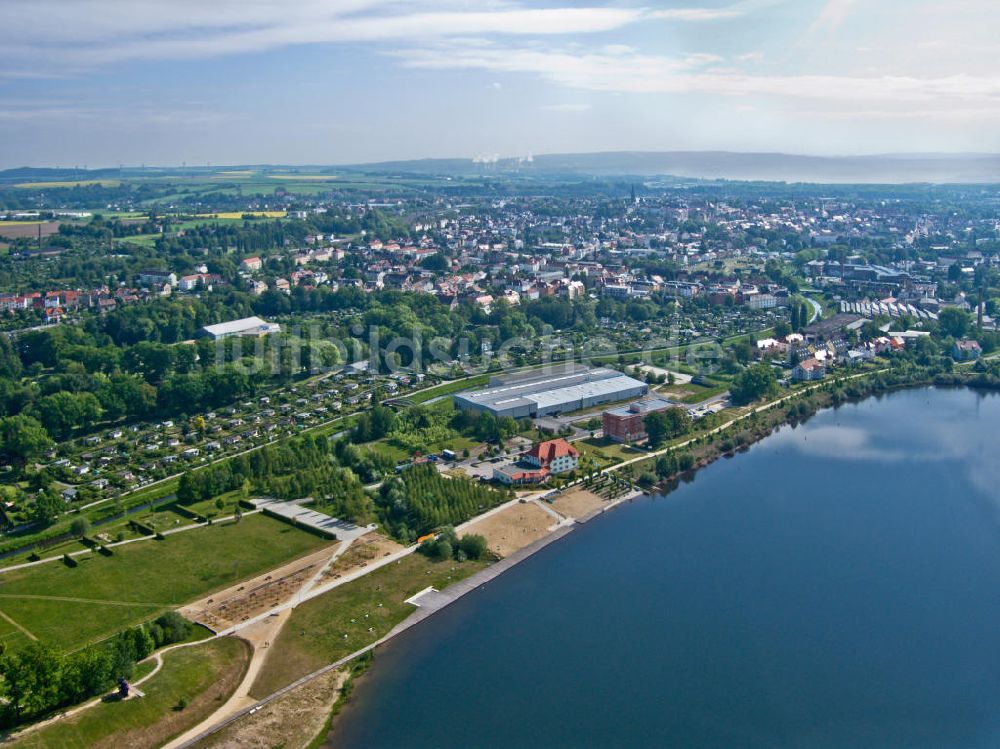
(71, 183)
(203, 676)
(146, 240)
(236, 215)
(304, 177)
(17, 229)
(71, 607)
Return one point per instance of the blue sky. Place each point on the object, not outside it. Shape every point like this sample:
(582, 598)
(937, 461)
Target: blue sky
(102, 82)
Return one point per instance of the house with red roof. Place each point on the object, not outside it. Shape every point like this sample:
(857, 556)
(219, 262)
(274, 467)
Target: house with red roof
(557, 455)
(543, 460)
(809, 370)
(967, 350)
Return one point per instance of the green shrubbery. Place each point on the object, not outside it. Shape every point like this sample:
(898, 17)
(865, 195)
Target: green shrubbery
(421, 499)
(37, 679)
(447, 546)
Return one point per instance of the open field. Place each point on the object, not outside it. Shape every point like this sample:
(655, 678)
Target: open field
(513, 528)
(384, 449)
(204, 675)
(291, 722)
(249, 598)
(146, 240)
(77, 183)
(240, 215)
(12, 635)
(703, 393)
(304, 177)
(16, 229)
(351, 616)
(605, 451)
(577, 503)
(70, 607)
(447, 388)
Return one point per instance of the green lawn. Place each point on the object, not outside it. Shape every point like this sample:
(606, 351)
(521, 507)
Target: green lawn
(605, 450)
(205, 675)
(449, 388)
(107, 594)
(384, 449)
(10, 635)
(314, 635)
(703, 394)
(146, 240)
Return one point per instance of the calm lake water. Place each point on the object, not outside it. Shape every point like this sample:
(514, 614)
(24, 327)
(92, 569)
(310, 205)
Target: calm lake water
(836, 586)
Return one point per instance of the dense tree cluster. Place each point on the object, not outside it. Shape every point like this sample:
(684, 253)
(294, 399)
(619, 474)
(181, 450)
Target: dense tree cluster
(37, 679)
(420, 500)
(755, 382)
(665, 425)
(306, 466)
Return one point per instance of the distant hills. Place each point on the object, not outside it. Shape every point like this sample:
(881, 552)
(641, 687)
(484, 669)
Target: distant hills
(714, 165)
(962, 168)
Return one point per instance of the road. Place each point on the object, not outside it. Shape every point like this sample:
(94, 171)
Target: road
(271, 621)
(817, 310)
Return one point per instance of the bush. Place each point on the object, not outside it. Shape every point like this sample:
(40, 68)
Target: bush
(80, 527)
(169, 628)
(473, 546)
(647, 480)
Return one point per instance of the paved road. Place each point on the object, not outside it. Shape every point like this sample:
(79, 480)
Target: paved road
(817, 309)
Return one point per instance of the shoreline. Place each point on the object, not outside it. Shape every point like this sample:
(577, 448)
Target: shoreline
(441, 600)
(662, 488)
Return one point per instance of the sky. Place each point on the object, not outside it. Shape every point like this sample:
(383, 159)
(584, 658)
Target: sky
(168, 82)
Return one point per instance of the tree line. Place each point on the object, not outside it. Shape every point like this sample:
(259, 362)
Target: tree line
(37, 679)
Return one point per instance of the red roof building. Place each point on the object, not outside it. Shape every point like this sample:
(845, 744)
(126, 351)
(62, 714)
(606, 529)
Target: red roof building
(556, 455)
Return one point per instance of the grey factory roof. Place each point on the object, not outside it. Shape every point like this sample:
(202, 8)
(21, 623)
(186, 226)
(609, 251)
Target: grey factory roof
(546, 390)
(644, 406)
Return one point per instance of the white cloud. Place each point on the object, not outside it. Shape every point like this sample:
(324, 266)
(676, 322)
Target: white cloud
(90, 33)
(695, 74)
(832, 16)
(697, 14)
(724, 13)
(567, 107)
(102, 32)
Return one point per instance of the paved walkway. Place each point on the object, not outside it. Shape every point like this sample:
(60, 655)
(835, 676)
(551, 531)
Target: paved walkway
(435, 601)
(157, 659)
(300, 515)
(260, 636)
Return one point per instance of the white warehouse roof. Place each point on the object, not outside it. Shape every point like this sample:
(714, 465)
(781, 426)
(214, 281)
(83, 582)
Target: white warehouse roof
(247, 326)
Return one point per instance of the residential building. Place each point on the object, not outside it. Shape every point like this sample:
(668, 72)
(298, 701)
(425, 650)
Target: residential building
(809, 370)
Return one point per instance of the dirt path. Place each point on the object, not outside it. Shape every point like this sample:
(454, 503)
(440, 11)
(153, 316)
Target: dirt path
(70, 599)
(306, 573)
(12, 623)
(260, 635)
(157, 658)
(247, 600)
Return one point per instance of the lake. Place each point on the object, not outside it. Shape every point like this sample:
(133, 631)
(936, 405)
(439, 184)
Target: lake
(838, 585)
